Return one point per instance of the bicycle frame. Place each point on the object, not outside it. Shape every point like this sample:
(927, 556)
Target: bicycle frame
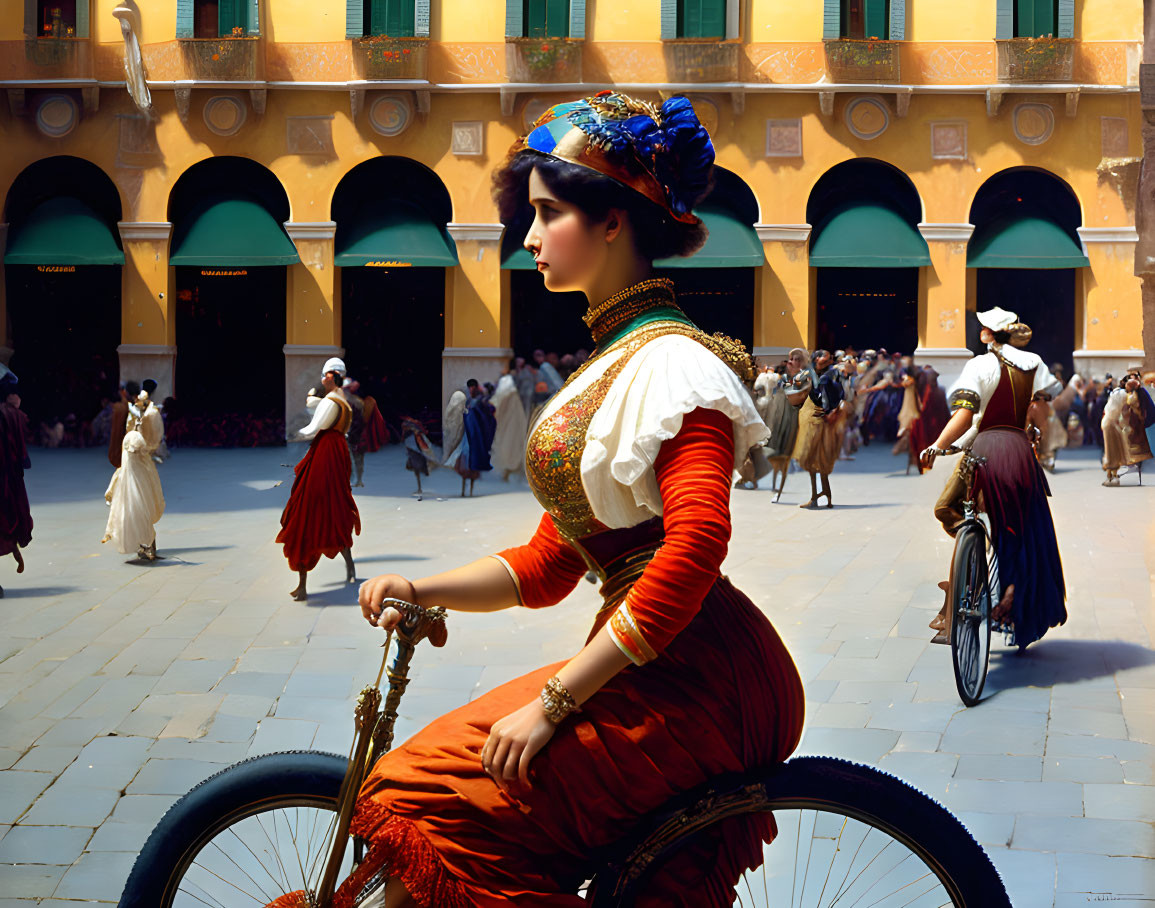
(374, 727)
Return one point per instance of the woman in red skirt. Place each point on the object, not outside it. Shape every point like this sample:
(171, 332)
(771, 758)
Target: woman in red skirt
(321, 515)
(505, 801)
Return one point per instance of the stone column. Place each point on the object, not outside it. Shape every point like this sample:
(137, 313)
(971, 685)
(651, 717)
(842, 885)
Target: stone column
(312, 316)
(1108, 300)
(1145, 207)
(942, 295)
(5, 341)
(478, 315)
(147, 306)
(784, 305)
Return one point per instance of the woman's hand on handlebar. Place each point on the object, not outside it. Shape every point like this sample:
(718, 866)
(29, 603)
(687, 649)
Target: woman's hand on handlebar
(376, 590)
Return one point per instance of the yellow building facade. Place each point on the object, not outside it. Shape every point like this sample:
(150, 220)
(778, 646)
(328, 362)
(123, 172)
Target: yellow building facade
(251, 186)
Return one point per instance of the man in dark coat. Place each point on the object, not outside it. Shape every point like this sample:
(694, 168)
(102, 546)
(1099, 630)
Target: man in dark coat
(15, 517)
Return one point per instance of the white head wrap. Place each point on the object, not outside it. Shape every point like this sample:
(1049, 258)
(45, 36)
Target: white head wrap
(334, 364)
(997, 319)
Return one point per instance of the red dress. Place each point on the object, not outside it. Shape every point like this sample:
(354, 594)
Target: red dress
(712, 690)
(15, 516)
(321, 516)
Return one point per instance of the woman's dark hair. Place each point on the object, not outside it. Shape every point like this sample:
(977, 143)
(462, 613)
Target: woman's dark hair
(657, 234)
(148, 385)
(1002, 337)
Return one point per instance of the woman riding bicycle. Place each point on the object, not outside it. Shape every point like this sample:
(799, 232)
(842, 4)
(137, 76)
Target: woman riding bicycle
(681, 677)
(989, 404)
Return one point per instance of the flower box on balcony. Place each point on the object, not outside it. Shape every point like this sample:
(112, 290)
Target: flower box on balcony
(380, 57)
(1035, 59)
(59, 58)
(858, 60)
(236, 58)
(543, 60)
(701, 61)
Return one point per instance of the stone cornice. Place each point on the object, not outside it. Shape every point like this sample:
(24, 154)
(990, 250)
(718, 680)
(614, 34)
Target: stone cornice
(480, 232)
(311, 230)
(144, 230)
(946, 233)
(783, 233)
(1108, 234)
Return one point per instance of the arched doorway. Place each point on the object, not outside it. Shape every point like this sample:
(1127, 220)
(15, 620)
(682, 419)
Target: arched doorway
(392, 247)
(229, 251)
(715, 285)
(1025, 250)
(62, 269)
(866, 251)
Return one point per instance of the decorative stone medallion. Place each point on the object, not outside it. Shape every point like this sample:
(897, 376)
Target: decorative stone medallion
(784, 138)
(468, 138)
(948, 141)
(1033, 123)
(390, 115)
(707, 112)
(57, 115)
(867, 118)
(225, 114)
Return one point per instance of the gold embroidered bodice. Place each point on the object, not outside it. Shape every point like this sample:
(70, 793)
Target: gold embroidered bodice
(556, 444)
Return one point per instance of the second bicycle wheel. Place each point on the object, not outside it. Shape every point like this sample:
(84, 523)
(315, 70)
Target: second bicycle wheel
(848, 835)
(249, 835)
(970, 601)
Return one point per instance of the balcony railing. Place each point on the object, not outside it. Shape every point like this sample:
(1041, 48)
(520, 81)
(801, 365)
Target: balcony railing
(1036, 59)
(58, 58)
(857, 60)
(381, 58)
(543, 60)
(229, 59)
(701, 61)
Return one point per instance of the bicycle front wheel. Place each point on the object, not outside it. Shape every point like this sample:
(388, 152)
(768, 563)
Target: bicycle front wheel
(848, 835)
(243, 838)
(970, 633)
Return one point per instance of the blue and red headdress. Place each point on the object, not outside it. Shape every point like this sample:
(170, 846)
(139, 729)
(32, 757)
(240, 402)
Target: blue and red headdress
(662, 152)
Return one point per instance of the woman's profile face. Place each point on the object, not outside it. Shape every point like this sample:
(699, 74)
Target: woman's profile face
(569, 250)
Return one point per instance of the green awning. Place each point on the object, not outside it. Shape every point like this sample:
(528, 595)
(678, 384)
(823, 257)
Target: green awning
(63, 231)
(399, 234)
(868, 236)
(731, 244)
(1023, 242)
(231, 232)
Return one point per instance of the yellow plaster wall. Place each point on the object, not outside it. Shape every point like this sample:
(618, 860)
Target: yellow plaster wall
(146, 287)
(962, 20)
(782, 313)
(1112, 312)
(633, 21)
(942, 289)
(1109, 20)
(467, 20)
(303, 21)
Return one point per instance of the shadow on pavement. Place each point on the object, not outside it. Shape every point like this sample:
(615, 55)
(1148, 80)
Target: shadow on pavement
(345, 594)
(15, 592)
(371, 558)
(1050, 662)
(196, 548)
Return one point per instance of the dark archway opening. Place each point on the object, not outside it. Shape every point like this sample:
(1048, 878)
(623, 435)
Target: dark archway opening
(64, 320)
(392, 323)
(393, 318)
(230, 315)
(865, 305)
(867, 308)
(1043, 296)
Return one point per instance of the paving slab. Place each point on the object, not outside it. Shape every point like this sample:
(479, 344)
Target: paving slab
(151, 678)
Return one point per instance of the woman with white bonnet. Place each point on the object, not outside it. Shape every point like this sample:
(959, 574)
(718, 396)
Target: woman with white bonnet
(134, 495)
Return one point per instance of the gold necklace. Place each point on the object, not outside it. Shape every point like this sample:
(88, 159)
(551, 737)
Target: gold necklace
(626, 305)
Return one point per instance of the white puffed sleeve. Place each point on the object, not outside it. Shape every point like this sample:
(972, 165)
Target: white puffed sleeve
(669, 377)
(324, 416)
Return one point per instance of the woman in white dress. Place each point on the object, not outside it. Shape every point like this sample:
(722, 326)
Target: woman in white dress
(134, 495)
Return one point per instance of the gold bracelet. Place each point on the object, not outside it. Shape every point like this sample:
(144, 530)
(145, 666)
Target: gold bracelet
(558, 701)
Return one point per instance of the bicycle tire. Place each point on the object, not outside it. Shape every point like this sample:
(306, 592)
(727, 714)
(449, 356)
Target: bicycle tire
(259, 784)
(970, 633)
(826, 785)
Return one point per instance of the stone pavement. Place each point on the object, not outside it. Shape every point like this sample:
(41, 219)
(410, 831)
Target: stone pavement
(122, 686)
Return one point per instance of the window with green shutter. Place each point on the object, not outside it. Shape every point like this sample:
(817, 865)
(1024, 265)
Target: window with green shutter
(701, 18)
(216, 18)
(1035, 18)
(545, 18)
(865, 19)
(56, 18)
(394, 18)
